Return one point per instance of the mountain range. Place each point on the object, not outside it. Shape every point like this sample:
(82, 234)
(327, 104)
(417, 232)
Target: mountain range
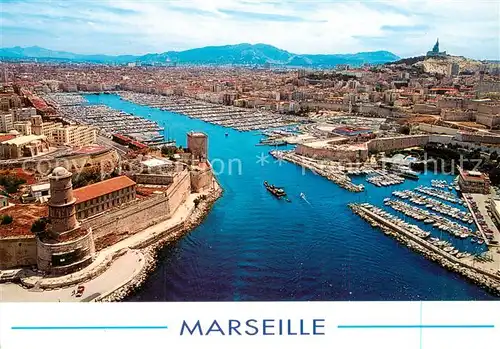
(240, 54)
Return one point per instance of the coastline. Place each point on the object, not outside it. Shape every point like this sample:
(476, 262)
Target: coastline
(150, 251)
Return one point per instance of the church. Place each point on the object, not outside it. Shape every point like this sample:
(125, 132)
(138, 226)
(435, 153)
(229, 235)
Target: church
(435, 51)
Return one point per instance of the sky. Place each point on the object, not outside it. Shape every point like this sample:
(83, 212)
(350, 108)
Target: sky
(404, 27)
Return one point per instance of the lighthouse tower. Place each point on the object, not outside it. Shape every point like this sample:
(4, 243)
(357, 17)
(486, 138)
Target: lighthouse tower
(64, 247)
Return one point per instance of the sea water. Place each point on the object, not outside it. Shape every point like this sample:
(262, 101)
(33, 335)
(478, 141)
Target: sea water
(252, 246)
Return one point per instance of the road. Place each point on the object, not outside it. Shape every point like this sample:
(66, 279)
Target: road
(121, 270)
(121, 149)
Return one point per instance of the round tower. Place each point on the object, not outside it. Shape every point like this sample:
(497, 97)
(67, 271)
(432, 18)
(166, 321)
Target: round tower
(62, 212)
(64, 247)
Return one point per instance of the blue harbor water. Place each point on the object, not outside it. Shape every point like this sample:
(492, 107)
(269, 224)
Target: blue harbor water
(252, 246)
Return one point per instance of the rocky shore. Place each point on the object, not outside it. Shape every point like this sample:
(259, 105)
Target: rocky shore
(490, 284)
(150, 252)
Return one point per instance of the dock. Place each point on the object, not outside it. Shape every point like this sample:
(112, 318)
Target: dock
(107, 120)
(488, 278)
(333, 174)
(241, 119)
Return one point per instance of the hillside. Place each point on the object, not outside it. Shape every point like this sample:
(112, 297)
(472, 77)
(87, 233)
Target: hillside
(240, 54)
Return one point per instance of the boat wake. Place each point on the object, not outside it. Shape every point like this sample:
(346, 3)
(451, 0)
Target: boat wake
(303, 196)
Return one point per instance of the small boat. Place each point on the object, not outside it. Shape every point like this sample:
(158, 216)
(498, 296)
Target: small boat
(276, 191)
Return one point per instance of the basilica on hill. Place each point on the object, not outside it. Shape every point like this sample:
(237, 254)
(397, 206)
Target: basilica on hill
(435, 51)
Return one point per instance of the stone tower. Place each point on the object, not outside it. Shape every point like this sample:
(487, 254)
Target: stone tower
(62, 212)
(64, 246)
(197, 143)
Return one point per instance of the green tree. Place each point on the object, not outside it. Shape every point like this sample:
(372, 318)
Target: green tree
(39, 225)
(6, 219)
(405, 129)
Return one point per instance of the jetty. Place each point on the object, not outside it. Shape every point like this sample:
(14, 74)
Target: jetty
(330, 172)
(459, 262)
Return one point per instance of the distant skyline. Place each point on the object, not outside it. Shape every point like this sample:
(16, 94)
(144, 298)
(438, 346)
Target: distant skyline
(404, 27)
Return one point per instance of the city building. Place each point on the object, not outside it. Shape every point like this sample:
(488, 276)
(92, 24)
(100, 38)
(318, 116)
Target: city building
(99, 197)
(63, 246)
(23, 114)
(23, 127)
(40, 192)
(4, 201)
(75, 136)
(474, 182)
(24, 146)
(197, 143)
(6, 123)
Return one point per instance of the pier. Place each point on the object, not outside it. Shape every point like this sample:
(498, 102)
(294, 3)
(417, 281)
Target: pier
(438, 221)
(332, 173)
(488, 278)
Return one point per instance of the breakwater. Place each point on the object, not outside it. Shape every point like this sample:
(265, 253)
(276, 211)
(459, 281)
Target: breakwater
(483, 278)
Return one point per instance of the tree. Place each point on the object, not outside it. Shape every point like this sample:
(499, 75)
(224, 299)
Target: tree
(39, 225)
(405, 129)
(493, 155)
(11, 182)
(6, 219)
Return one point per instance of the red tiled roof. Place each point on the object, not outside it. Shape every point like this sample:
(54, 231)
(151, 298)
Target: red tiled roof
(102, 188)
(4, 138)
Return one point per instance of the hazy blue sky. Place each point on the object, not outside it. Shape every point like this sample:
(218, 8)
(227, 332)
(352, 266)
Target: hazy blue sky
(405, 27)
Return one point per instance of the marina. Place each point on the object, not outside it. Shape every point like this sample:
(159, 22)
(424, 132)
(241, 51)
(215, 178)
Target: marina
(242, 119)
(333, 173)
(383, 179)
(427, 217)
(439, 251)
(435, 205)
(241, 229)
(109, 121)
(440, 194)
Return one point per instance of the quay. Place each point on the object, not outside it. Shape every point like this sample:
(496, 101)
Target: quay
(329, 172)
(488, 278)
(486, 227)
(241, 119)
